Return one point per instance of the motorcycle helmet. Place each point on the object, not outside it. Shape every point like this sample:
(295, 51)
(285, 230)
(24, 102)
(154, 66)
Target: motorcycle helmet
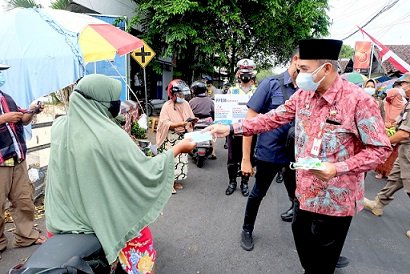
(198, 87)
(207, 79)
(175, 86)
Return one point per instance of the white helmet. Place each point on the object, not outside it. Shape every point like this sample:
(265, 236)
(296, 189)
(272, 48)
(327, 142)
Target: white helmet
(246, 66)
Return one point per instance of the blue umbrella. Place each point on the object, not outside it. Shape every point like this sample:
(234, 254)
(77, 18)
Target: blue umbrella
(42, 56)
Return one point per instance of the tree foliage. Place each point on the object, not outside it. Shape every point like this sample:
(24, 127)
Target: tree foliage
(23, 4)
(57, 4)
(202, 34)
(346, 51)
(60, 4)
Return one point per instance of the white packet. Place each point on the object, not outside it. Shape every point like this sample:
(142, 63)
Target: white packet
(198, 136)
(307, 163)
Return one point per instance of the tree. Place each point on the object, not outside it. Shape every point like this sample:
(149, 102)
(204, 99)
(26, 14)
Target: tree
(346, 52)
(57, 4)
(202, 34)
(23, 4)
(60, 4)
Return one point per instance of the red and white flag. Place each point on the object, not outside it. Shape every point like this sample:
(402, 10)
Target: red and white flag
(387, 54)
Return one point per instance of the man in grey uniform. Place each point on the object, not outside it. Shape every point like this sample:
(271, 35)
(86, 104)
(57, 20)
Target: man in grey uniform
(399, 176)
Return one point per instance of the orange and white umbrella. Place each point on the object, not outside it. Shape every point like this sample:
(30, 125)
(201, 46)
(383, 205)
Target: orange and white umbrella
(98, 40)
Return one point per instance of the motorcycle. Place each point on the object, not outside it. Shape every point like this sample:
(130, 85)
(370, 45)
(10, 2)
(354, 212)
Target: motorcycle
(67, 253)
(154, 106)
(203, 149)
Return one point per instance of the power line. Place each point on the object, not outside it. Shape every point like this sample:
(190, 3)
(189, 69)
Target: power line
(385, 8)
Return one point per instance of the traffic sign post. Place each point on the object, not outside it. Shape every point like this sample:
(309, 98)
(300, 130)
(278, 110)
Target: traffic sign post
(143, 56)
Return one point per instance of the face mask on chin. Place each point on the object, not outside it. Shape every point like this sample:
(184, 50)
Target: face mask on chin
(305, 80)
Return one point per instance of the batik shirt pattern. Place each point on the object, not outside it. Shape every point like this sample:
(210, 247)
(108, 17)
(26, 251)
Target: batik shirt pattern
(352, 134)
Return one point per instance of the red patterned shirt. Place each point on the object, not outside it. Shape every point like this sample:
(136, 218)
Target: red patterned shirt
(347, 121)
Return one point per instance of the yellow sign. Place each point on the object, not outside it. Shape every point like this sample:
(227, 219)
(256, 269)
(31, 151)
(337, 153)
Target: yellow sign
(143, 55)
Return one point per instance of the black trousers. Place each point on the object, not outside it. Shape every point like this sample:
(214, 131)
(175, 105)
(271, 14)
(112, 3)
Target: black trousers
(265, 172)
(319, 239)
(235, 156)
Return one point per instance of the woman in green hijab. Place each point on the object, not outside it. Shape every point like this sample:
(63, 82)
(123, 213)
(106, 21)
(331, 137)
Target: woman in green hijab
(98, 179)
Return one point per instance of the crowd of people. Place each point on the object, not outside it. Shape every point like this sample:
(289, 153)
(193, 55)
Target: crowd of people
(306, 112)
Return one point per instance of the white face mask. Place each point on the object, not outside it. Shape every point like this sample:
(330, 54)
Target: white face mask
(402, 93)
(305, 80)
(370, 91)
(180, 100)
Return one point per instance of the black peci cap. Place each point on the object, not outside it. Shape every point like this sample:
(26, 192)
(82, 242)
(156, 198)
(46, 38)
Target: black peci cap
(319, 49)
(3, 67)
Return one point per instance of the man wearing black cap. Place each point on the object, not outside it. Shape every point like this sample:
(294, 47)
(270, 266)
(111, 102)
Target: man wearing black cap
(339, 135)
(14, 182)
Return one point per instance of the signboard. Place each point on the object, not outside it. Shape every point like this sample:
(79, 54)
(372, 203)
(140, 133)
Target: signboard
(143, 55)
(362, 55)
(230, 108)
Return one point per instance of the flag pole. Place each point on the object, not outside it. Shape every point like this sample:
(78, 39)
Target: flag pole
(371, 60)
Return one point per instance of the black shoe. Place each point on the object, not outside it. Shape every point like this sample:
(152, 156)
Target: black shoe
(287, 216)
(342, 262)
(245, 189)
(231, 188)
(246, 240)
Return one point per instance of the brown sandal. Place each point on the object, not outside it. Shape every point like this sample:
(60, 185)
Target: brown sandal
(178, 186)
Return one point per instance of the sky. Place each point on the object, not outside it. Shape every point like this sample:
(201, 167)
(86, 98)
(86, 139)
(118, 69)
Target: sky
(390, 28)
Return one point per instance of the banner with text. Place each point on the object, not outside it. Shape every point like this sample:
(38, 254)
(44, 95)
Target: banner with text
(230, 108)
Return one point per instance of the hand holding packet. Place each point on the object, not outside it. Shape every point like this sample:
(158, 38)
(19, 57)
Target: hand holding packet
(307, 163)
(198, 136)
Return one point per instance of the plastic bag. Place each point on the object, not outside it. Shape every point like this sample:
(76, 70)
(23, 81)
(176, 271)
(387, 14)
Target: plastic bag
(143, 121)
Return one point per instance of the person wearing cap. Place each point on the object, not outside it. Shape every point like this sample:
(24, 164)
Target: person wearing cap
(399, 176)
(246, 87)
(212, 90)
(338, 124)
(15, 184)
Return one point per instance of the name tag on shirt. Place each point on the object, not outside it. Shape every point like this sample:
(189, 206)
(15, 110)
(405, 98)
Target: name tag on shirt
(316, 147)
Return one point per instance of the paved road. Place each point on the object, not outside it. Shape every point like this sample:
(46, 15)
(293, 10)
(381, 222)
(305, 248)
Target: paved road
(199, 231)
